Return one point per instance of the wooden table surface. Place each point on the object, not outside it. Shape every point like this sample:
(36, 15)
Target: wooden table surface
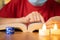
(27, 36)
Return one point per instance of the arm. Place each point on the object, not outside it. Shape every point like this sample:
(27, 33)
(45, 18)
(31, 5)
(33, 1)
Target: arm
(12, 20)
(42, 19)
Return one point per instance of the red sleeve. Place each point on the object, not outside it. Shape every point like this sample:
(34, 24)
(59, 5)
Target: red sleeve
(54, 8)
(9, 10)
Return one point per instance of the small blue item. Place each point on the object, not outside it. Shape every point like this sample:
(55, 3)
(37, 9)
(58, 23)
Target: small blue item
(10, 30)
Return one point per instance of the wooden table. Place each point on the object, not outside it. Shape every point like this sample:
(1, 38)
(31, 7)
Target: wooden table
(27, 36)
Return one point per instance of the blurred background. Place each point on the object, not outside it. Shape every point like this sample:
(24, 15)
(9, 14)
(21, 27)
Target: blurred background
(3, 2)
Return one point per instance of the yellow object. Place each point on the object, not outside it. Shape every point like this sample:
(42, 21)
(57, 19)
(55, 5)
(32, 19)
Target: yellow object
(55, 30)
(44, 31)
(1, 4)
(6, 1)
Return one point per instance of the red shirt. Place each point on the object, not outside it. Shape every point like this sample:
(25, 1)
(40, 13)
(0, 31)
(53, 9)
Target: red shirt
(20, 8)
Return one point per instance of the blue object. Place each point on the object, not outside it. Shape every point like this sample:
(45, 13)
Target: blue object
(10, 30)
(37, 2)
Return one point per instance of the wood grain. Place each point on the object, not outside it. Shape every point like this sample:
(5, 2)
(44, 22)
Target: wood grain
(27, 36)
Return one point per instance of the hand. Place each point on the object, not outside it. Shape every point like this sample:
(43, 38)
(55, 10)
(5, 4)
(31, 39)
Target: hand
(23, 20)
(35, 17)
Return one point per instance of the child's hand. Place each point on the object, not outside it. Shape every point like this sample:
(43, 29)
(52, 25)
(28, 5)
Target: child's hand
(35, 17)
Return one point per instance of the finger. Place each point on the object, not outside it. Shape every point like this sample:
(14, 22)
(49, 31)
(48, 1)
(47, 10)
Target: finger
(31, 17)
(34, 16)
(41, 18)
(28, 17)
(38, 17)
